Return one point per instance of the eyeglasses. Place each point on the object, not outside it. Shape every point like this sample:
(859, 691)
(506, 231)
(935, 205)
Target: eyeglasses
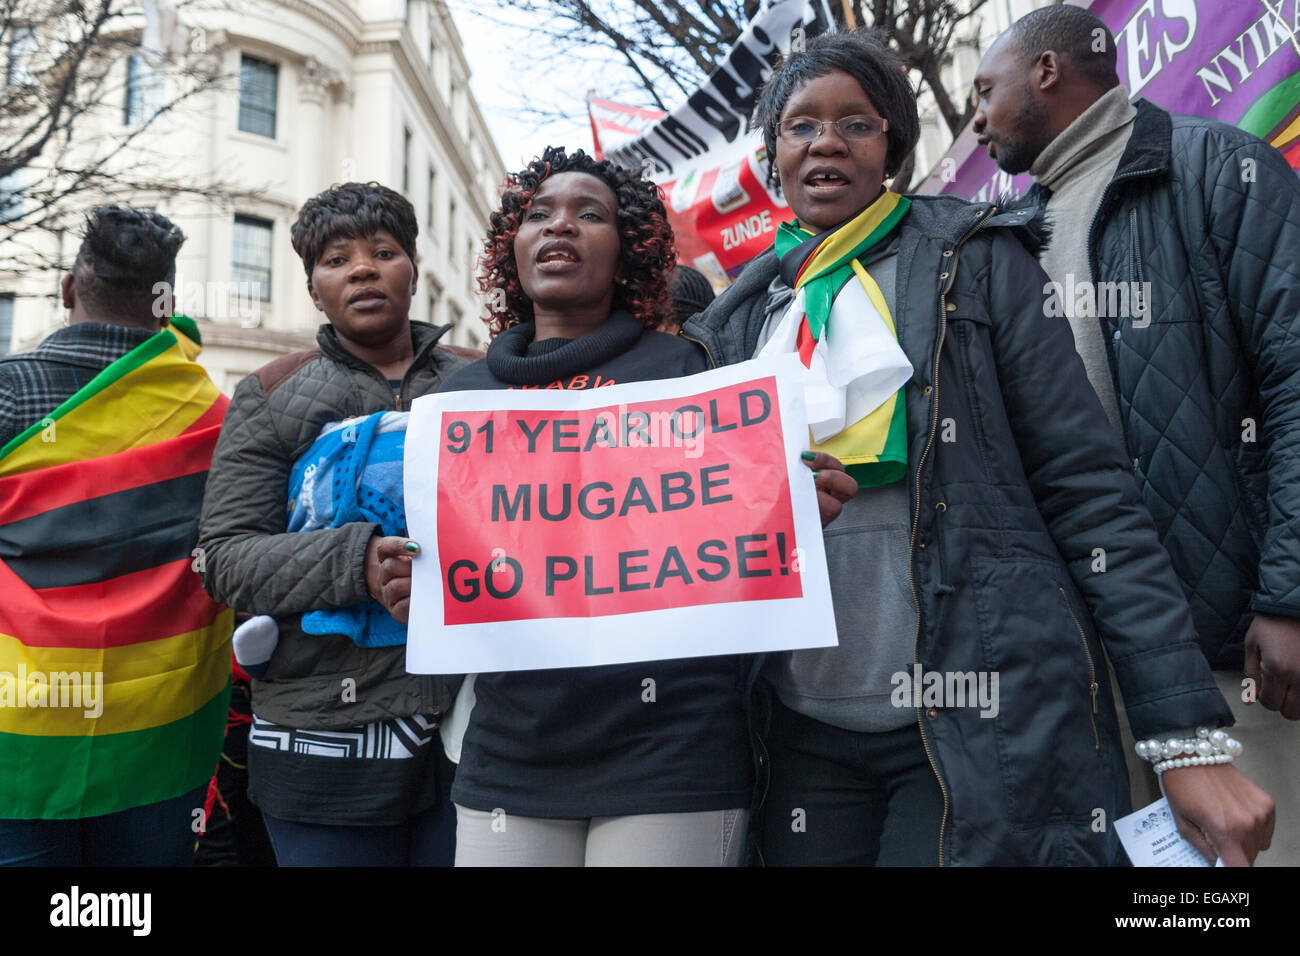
(802, 130)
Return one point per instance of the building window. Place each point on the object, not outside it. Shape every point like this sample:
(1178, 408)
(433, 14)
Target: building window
(6, 321)
(451, 227)
(11, 197)
(433, 308)
(22, 47)
(259, 84)
(433, 191)
(144, 89)
(251, 261)
(406, 160)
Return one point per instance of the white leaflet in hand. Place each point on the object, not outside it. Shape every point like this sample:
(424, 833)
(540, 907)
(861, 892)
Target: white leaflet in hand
(1150, 838)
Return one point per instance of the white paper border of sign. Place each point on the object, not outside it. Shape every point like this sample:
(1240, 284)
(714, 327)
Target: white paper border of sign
(696, 631)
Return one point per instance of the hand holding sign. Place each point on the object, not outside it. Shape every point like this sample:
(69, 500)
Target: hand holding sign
(834, 486)
(388, 573)
(678, 508)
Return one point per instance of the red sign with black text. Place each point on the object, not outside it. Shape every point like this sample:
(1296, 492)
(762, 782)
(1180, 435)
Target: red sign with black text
(621, 508)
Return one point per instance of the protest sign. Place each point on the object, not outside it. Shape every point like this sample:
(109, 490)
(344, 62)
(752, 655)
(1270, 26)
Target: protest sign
(645, 521)
(1235, 62)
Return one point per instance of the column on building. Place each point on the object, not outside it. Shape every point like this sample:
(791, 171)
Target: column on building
(315, 158)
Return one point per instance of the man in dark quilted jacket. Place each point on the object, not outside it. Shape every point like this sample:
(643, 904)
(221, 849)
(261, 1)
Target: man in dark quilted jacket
(1174, 245)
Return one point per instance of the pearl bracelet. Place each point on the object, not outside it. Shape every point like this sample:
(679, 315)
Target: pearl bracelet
(1206, 748)
(1197, 761)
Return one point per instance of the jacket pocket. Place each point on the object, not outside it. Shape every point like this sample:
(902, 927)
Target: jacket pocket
(940, 578)
(1140, 264)
(1140, 294)
(1045, 730)
(968, 412)
(1093, 685)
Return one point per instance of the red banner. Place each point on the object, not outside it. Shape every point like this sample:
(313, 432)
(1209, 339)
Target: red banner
(616, 509)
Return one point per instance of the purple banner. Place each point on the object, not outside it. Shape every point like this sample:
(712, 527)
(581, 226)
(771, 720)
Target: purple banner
(1236, 61)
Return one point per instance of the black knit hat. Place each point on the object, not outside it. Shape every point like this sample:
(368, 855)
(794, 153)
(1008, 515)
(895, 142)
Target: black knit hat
(691, 292)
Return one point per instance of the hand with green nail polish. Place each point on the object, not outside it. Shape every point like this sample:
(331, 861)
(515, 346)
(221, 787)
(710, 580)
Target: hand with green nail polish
(388, 573)
(834, 485)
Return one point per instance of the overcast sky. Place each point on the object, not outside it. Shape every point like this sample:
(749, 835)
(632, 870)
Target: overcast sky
(509, 68)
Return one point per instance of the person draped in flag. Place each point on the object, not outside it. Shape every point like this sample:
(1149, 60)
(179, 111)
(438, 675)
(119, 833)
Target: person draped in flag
(114, 664)
(996, 545)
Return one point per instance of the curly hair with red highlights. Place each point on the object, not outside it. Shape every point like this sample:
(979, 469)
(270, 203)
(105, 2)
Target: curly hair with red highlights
(647, 250)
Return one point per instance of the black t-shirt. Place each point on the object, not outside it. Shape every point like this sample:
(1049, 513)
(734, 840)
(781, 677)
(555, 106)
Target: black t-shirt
(594, 741)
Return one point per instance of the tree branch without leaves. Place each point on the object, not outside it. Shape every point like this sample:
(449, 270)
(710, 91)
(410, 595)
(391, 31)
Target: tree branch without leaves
(64, 142)
(670, 47)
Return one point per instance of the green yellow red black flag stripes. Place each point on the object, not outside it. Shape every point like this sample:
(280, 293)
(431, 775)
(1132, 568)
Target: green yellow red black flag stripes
(114, 663)
(127, 769)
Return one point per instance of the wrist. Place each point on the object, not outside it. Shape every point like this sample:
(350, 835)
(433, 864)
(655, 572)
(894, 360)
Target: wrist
(370, 566)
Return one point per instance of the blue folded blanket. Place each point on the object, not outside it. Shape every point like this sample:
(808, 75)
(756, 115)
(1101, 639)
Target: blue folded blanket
(353, 472)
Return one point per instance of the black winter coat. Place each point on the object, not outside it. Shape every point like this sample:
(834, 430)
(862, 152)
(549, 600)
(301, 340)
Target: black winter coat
(1208, 381)
(1007, 521)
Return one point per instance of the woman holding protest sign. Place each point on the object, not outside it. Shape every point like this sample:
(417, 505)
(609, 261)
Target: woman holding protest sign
(646, 763)
(965, 716)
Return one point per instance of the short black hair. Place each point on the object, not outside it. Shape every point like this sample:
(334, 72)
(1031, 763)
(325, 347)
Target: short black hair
(1073, 32)
(863, 55)
(124, 254)
(353, 211)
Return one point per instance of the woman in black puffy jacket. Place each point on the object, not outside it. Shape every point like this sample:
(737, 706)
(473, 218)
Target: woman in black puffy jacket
(966, 715)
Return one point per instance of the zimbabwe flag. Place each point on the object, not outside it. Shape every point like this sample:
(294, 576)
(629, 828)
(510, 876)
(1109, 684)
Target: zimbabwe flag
(1275, 116)
(99, 510)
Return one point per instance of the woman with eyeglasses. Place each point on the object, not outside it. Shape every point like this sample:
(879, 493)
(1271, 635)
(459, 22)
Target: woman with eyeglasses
(995, 545)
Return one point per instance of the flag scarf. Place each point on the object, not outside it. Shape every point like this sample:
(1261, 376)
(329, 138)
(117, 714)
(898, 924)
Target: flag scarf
(846, 338)
(114, 662)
